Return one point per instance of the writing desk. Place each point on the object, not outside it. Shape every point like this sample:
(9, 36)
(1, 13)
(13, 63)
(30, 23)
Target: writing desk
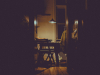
(56, 49)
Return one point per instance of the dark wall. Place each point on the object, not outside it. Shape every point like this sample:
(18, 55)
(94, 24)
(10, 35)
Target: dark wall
(60, 2)
(92, 22)
(17, 41)
(75, 8)
(88, 43)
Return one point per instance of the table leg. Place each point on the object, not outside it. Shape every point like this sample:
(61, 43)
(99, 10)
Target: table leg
(57, 58)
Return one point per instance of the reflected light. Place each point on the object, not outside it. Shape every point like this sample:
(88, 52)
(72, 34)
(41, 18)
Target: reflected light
(35, 22)
(67, 22)
(82, 22)
(52, 22)
(76, 22)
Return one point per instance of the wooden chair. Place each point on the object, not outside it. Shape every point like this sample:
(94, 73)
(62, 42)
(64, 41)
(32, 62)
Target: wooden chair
(45, 47)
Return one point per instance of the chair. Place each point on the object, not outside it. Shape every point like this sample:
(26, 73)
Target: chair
(45, 47)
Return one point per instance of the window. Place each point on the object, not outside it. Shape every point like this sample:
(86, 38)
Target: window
(60, 15)
(60, 30)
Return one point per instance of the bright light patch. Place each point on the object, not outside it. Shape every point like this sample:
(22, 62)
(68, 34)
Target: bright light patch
(75, 30)
(52, 22)
(76, 22)
(67, 22)
(35, 22)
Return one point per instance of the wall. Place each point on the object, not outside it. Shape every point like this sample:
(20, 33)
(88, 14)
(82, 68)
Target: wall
(47, 30)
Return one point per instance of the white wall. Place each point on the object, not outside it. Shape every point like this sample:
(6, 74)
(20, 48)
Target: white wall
(47, 30)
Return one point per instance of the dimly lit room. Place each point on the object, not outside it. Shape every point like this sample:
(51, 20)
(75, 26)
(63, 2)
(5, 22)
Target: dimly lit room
(50, 37)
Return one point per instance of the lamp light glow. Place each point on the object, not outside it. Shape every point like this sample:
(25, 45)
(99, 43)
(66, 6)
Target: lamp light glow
(76, 22)
(67, 21)
(52, 21)
(35, 22)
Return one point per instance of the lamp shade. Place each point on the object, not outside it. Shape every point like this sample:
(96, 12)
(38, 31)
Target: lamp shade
(52, 21)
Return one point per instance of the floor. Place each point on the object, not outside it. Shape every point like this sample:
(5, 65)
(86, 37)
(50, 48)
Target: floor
(52, 71)
(47, 69)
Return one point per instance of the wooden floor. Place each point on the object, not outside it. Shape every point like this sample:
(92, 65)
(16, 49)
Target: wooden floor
(52, 71)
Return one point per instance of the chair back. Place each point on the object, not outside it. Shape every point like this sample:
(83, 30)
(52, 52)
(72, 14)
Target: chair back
(45, 45)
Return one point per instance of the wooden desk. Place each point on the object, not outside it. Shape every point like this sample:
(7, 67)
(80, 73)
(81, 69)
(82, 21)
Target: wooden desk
(56, 49)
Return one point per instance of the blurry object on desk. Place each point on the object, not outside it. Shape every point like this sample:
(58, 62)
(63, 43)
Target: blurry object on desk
(49, 40)
(58, 40)
(40, 38)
